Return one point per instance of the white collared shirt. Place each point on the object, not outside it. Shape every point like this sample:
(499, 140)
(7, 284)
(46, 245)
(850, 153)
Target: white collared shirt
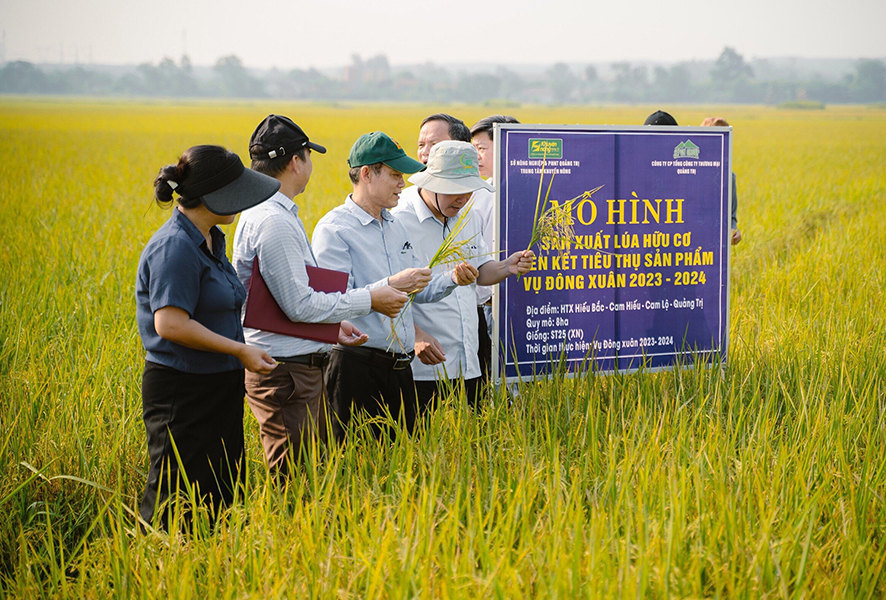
(452, 320)
(484, 210)
(273, 232)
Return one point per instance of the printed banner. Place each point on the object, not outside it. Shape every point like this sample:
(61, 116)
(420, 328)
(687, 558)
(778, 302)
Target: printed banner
(633, 260)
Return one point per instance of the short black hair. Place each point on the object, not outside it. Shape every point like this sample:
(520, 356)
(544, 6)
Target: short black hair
(457, 129)
(274, 166)
(486, 124)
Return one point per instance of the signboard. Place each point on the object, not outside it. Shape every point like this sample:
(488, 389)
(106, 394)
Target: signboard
(642, 279)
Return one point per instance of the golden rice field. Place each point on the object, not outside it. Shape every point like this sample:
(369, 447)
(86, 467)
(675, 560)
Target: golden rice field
(766, 481)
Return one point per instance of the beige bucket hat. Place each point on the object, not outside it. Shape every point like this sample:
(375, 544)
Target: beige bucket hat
(452, 169)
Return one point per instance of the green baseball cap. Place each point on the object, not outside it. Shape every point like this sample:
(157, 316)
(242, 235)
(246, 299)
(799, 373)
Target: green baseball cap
(377, 147)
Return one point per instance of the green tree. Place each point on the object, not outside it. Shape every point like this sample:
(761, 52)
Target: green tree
(562, 82)
(869, 84)
(20, 77)
(477, 87)
(234, 80)
(630, 83)
(730, 68)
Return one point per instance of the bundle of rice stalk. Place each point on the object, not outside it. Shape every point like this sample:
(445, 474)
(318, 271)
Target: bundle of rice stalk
(553, 222)
(451, 252)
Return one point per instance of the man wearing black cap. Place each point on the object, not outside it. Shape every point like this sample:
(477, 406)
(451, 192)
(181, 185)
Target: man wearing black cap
(288, 403)
(660, 117)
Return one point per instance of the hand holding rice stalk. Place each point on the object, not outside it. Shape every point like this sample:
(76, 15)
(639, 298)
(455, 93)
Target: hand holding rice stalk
(451, 252)
(553, 223)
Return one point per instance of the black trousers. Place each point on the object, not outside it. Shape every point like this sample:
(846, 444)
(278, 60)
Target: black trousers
(199, 418)
(355, 385)
(430, 392)
(484, 352)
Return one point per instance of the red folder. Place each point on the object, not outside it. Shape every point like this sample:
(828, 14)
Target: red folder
(263, 312)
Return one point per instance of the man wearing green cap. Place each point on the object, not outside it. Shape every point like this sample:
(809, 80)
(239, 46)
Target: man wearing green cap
(362, 238)
(447, 350)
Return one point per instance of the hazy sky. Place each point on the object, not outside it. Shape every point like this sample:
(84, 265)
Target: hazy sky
(325, 33)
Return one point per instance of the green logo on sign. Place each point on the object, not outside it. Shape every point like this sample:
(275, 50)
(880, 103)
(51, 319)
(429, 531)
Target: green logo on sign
(686, 150)
(540, 148)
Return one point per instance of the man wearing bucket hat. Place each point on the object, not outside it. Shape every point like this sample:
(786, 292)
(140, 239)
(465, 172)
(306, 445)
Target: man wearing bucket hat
(289, 402)
(362, 238)
(188, 301)
(447, 334)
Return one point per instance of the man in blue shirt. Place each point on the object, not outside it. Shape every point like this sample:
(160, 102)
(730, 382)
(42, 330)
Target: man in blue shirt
(361, 238)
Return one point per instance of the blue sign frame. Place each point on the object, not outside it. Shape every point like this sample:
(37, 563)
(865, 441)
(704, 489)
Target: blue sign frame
(643, 283)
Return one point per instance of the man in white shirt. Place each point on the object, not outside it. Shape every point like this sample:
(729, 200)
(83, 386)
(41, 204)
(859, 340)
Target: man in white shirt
(447, 330)
(289, 402)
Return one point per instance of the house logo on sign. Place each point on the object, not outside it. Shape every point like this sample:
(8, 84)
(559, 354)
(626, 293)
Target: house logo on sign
(686, 150)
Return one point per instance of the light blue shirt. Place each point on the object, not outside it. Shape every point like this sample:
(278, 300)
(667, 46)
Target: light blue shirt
(349, 239)
(453, 320)
(273, 232)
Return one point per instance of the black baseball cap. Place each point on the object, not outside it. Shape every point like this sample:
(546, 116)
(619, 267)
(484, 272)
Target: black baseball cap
(277, 136)
(660, 117)
(231, 188)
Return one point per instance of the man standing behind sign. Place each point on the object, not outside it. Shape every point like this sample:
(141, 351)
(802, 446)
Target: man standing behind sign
(361, 238)
(288, 402)
(438, 128)
(428, 211)
(660, 117)
(736, 232)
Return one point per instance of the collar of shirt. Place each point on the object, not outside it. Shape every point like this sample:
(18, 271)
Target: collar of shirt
(285, 201)
(186, 225)
(421, 209)
(364, 217)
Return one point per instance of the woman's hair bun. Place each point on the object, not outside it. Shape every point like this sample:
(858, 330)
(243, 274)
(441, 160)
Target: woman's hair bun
(162, 187)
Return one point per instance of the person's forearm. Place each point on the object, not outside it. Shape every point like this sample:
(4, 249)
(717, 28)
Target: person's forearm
(188, 332)
(285, 273)
(492, 272)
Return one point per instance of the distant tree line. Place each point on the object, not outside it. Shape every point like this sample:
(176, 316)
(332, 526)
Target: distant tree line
(729, 79)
